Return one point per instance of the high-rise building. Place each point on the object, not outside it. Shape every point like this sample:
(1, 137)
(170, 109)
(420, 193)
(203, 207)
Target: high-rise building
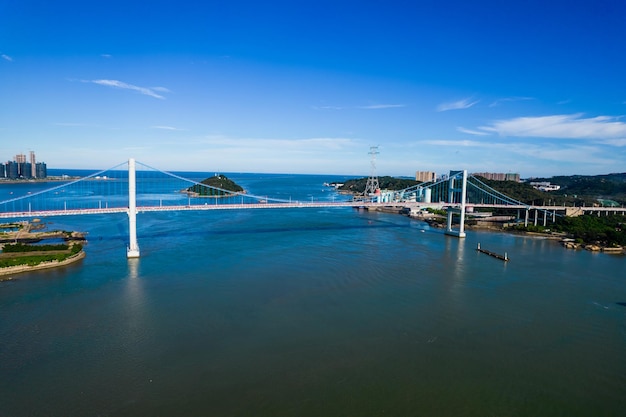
(25, 170)
(20, 167)
(12, 170)
(33, 165)
(41, 170)
(425, 176)
(499, 176)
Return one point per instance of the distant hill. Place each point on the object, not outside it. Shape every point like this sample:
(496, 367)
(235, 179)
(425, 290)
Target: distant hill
(575, 189)
(601, 186)
(218, 181)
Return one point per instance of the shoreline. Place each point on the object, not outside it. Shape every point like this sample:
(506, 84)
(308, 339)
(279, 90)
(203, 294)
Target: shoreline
(564, 239)
(19, 269)
(31, 231)
(36, 180)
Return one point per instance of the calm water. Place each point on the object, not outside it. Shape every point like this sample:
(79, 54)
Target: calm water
(312, 313)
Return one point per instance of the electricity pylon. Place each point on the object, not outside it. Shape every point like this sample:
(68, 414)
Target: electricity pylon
(372, 182)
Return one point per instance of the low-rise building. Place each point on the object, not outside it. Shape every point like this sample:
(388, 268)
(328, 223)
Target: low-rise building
(545, 186)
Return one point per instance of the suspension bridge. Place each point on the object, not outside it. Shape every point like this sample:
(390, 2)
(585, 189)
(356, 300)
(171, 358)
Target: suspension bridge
(126, 189)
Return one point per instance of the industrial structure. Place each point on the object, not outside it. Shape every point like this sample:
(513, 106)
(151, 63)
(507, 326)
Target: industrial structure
(372, 187)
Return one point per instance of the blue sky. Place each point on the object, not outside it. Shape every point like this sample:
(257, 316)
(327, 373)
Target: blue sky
(533, 87)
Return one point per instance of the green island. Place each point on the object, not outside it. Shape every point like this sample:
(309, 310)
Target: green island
(218, 181)
(19, 253)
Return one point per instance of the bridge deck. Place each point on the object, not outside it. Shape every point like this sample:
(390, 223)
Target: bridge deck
(291, 205)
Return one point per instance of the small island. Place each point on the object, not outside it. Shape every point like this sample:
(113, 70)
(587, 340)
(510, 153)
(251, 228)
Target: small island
(21, 251)
(217, 181)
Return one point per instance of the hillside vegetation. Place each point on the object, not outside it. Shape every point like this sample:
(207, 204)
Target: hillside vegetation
(609, 186)
(357, 186)
(218, 181)
(32, 255)
(575, 190)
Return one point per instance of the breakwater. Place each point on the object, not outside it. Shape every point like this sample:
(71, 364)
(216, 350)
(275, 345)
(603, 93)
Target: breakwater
(504, 257)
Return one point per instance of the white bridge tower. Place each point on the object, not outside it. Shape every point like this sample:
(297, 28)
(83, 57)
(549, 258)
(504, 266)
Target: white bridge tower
(452, 191)
(133, 248)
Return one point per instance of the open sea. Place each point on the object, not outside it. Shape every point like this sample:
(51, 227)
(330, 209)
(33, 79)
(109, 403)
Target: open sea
(311, 312)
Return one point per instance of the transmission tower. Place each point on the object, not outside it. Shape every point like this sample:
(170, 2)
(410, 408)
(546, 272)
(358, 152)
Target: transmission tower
(372, 182)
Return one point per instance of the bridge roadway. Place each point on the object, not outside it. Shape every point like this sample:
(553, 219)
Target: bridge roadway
(317, 204)
(193, 207)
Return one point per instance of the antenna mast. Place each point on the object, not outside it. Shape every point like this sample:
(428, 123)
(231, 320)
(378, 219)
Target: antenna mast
(372, 182)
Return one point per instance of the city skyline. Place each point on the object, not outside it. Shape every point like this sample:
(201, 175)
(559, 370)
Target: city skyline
(22, 167)
(533, 88)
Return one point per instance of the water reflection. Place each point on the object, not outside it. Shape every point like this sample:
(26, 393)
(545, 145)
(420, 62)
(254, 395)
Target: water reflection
(134, 304)
(133, 268)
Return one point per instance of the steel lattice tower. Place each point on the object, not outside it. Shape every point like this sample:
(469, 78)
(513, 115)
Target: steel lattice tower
(372, 182)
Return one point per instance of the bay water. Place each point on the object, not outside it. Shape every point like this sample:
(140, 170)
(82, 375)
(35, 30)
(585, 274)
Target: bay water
(312, 312)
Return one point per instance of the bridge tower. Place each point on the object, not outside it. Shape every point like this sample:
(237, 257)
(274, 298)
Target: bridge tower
(452, 191)
(372, 182)
(133, 248)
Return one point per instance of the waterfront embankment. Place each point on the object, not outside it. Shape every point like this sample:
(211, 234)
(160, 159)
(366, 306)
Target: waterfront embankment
(7, 273)
(26, 257)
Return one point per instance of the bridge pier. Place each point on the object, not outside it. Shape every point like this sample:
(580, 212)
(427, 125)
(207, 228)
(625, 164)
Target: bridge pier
(526, 218)
(460, 211)
(133, 248)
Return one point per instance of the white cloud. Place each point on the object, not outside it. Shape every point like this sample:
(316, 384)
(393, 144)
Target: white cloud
(166, 128)
(122, 85)
(247, 154)
(327, 108)
(472, 132)
(508, 100)
(280, 145)
(579, 155)
(575, 155)
(6, 58)
(615, 142)
(106, 56)
(368, 107)
(381, 106)
(571, 126)
(456, 143)
(71, 124)
(465, 103)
